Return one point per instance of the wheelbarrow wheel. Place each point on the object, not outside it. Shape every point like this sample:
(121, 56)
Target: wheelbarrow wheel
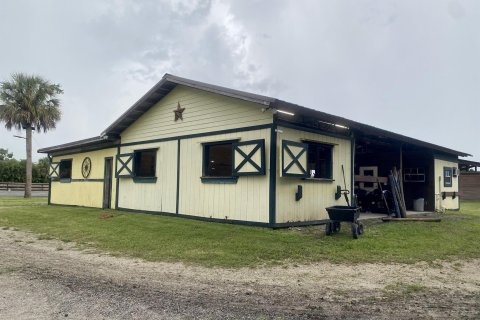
(337, 226)
(355, 230)
(360, 228)
(329, 228)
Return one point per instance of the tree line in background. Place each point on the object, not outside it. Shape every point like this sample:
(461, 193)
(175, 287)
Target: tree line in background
(13, 170)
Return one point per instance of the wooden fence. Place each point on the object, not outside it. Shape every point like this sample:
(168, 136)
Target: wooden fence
(469, 188)
(20, 186)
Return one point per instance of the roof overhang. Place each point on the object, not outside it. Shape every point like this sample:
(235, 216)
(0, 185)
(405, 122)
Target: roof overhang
(89, 144)
(362, 129)
(468, 163)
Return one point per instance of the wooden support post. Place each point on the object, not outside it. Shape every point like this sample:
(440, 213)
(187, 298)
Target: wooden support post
(401, 157)
(400, 177)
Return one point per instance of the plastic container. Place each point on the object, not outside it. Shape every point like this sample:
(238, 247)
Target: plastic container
(419, 204)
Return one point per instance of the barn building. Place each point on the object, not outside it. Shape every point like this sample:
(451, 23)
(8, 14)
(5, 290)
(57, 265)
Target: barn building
(202, 151)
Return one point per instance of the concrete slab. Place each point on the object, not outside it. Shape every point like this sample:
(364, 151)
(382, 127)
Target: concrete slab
(369, 215)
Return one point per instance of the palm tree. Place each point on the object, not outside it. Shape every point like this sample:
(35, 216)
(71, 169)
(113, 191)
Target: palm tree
(29, 102)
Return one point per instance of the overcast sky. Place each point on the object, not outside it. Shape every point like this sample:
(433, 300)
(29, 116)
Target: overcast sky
(412, 67)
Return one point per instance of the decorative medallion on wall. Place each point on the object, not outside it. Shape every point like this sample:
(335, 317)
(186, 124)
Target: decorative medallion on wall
(178, 112)
(86, 167)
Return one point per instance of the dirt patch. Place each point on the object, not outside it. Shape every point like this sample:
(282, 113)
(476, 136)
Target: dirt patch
(50, 279)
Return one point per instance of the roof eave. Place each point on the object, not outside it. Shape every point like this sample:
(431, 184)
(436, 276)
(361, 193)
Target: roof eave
(368, 129)
(85, 143)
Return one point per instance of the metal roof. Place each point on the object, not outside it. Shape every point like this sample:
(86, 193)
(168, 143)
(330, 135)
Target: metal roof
(365, 129)
(84, 143)
(469, 162)
(169, 82)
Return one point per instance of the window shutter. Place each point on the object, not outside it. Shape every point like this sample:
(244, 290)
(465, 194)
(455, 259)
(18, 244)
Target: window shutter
(54, 172)
(249, 158)
(294, 159)
(124, 165)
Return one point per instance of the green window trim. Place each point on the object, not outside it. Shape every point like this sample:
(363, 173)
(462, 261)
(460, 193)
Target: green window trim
(54, 171)
(65, 168)
(319, 179)
(206, 177)
(447, 177)
(315, 149)
(219, 180)
(145, 179)
(294, 160)
(124, 169)
(246, 158)
(138, 166)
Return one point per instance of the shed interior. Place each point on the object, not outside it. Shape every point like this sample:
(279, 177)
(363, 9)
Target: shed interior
(376, 158)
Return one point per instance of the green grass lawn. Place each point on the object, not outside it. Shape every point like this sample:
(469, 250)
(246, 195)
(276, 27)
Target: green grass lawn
(158, 238)
(18, 201)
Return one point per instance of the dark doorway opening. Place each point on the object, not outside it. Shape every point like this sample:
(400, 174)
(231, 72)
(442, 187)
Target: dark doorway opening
(374, 160)
(107, 184)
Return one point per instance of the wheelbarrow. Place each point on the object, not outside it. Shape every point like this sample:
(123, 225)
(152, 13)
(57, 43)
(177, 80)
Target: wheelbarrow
(338, 214)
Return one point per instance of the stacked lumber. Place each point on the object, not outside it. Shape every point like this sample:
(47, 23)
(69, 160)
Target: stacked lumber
(400, 209)
(395, 179)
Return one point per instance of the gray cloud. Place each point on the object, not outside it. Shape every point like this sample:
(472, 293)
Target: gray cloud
(407, 66)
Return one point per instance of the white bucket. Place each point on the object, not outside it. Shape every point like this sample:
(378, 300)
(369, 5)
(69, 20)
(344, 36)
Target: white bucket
(419, 204)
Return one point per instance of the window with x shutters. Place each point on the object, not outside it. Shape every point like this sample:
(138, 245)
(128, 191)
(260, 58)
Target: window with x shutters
(294, 159)
(54, 173)
(124, 165)
(249, 158)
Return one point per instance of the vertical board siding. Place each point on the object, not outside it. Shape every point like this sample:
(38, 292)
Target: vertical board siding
(469, 185)
(159, 196)
(448, 202)
(84, 193)
(317, 195)
(204, 112)
(246, 200)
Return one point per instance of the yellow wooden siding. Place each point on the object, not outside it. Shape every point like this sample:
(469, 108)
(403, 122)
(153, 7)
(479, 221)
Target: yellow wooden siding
(448, 202)
(317, 195)
(204, 112)
(159, 196)
(84, 193)
(247, 200)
